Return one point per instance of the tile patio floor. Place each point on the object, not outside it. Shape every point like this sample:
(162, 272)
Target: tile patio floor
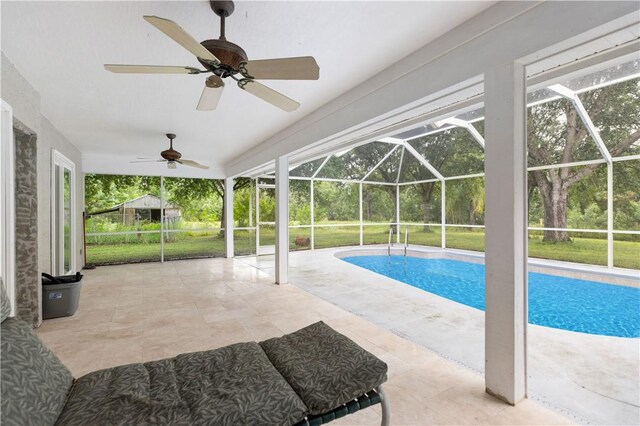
(591, 379)
(136, 313)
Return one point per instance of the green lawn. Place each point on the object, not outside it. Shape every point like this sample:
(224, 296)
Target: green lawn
(580, 250)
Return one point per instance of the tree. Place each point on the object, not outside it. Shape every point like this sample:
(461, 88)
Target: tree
(105, 191)
(451, 152)
(556, 134)
(465, 201)
(370, 155)
(195, 198)
(218, 187)
(354, 165)
(299, 201)
(336, 201)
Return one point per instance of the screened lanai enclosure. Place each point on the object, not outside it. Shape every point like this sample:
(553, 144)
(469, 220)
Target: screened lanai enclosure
(421, 187)
(426, 186)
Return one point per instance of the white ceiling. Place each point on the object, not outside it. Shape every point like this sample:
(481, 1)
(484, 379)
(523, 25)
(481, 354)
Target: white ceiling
(60, 48)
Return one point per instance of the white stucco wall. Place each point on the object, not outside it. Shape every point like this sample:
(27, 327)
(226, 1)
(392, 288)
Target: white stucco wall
(25, 101)
(50, 138)
(23, 98)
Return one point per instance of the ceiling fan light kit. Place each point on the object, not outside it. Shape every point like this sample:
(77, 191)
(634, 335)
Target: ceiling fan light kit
(214, 82)
(227, 60)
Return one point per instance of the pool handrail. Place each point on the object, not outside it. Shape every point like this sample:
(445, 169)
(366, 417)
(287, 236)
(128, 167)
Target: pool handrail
(406, 241)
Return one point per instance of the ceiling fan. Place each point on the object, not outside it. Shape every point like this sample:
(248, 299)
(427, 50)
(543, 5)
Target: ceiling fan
(171, 157)
(225, 59)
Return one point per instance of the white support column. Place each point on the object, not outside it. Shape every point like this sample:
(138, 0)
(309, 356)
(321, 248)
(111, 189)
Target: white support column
(610, 215)
(161, 219)
(398, 214)
(251, 205)
(228, 218)
(506, 233)
(282, 220)
(257, 194)
(313, 218)
(443, 214)
(360, 214)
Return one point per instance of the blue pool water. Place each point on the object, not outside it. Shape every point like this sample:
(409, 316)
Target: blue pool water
(558, 302)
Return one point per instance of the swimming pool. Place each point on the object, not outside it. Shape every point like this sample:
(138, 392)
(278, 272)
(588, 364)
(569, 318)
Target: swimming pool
(558, 302)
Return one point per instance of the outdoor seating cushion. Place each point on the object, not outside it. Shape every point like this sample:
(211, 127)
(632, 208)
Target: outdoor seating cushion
(34, 381)
(4, 301)
(324, 367)
(233, 385)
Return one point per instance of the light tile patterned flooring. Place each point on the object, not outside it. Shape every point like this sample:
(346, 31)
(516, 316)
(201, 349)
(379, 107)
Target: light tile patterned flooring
(137, 313)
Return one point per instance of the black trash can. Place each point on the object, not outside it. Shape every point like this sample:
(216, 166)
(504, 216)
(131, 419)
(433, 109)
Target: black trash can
(60, 295)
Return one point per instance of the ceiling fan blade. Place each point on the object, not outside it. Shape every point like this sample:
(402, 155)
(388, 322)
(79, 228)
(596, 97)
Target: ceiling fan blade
(180, 36)
(211, 94)
(192, 163)
(269, 95)
(147, 161)
(149, 69)
(300, 68)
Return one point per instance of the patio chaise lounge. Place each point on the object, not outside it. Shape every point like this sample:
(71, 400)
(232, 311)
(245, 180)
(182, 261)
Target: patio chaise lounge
(312, 376)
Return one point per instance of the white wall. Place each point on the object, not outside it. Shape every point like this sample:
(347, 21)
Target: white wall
(25, 101)
(50, 138)
(22, 97)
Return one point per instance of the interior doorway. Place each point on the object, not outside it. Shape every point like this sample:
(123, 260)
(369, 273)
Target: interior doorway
(63, 207)
(7, 204)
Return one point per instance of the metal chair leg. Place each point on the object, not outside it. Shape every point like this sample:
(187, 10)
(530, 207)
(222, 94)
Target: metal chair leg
(385, 406)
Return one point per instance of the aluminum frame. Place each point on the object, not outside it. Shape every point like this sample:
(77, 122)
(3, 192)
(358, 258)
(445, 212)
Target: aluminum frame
(453, 122)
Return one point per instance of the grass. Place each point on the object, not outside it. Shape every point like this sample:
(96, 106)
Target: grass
(580, 250)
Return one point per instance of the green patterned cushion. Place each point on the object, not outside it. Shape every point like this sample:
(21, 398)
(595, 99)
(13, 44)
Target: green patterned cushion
(34, 382)
(4, 300)
(233, 385)
(325, 368)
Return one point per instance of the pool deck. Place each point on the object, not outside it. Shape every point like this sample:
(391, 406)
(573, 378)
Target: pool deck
(592, 379)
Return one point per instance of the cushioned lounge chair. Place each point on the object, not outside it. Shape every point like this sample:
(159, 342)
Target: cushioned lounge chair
(308, 377)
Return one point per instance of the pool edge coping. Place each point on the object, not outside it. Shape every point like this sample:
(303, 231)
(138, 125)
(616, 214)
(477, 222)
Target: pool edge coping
(617, 276)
